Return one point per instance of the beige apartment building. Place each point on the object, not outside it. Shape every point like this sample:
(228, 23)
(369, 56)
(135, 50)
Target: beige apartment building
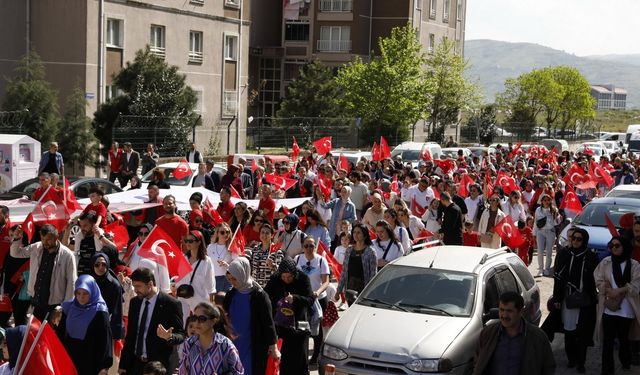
(295, 32)
(204, 38)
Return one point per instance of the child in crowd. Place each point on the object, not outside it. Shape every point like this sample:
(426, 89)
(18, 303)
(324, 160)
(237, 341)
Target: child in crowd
(345, 239)
(469, 236)
(96, 206)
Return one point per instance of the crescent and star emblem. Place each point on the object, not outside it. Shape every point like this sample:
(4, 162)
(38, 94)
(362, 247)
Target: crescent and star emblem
(155, 245)
(507, 229)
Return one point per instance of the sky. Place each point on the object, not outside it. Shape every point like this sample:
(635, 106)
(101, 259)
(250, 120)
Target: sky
(581, 27)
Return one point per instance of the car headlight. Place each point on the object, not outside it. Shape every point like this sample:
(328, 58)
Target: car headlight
(430, 365)
(562, 240)
(333, 353)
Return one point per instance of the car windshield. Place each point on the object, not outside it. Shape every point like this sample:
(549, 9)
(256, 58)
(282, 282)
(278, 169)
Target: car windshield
(421, 290)
(624, 193)
(594, 214)
(408, 155)
(168, 173)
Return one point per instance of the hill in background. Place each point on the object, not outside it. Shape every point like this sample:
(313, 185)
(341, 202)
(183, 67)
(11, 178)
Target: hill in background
(492, 62)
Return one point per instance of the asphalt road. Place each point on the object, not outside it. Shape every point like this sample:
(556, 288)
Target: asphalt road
(594, 354)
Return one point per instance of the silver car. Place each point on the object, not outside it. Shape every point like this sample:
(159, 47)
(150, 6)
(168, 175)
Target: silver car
(423, 313)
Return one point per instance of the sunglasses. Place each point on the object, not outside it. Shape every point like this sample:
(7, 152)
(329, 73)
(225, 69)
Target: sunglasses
(143, 233)
(203, 318)
(100, 265)
(190, 240)
(223, 232)
(309, 246)
(258, 221)
(614, 246)
(494, 200)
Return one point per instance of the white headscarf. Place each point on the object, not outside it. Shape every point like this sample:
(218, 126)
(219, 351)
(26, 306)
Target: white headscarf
(240, 269)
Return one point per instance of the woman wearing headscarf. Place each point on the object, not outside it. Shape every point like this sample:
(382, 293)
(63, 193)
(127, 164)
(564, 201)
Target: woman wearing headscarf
(249, 310)
(111, 291)
(574, 266)
(11, 348)
(291, 298)
(292, 237)
(342, 209)
(618, 280)
(84, 328)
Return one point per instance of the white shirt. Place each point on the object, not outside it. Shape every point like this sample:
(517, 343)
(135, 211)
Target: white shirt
(517, 211)
(472, 206)
(129, 155)
(403, 238)
(204, 284)
(423, 198)
(339, 253)
(145, 326)
(159, 272)
(220, 252)
(395, 251)
(317, 267)
(626, 310)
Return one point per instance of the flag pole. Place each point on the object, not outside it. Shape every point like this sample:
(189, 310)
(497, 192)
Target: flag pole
(33, 345)
(24, 341)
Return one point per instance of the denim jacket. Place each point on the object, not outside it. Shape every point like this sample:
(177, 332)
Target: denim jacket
(336, 206)
(45, 160)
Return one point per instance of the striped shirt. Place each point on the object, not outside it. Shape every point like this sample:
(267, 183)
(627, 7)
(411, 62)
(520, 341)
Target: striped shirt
(220, 358)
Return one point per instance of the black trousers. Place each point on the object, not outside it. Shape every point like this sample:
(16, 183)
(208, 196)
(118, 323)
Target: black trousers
(615, 327)
(41, 312)
(575, 348)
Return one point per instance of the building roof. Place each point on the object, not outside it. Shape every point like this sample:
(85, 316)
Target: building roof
(9, 139)
(608, 89)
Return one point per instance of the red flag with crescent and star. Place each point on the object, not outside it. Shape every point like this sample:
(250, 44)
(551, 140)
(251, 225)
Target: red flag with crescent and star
(69, 197)
(570, 200)
(385, 152)
(465, 185)
(159, 248)
(507, 183)
(336, 268)
(600, 174)
(118, 233)
(416, 208)
(237, 244)
(234, 192)
(574, 176)
(279, 182)
(322, 145)
(343, 163)
(29, 226)
(425, 154)
(254, 165)
(51, 210)
(211, 215)
(44, 353)
(509, 232)
(375, 152)
(183, 170)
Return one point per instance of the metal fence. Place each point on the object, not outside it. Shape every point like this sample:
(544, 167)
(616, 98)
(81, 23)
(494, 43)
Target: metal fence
(11, 122)
(268, 132)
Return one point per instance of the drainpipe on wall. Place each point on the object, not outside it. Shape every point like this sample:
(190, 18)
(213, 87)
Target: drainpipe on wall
(239, 76)
(100, 93)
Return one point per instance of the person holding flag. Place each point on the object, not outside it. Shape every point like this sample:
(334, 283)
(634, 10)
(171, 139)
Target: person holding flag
(265, 257)
(488, 220)
(132, 259)
(221, 257)
(175, 226)
(52, 269)
(84, 328)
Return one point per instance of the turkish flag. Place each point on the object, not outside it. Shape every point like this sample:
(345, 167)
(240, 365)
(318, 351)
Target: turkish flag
(280, 182)
(49, 211)
(394, 184)
(211, 215)
(254, 165)
(600, 174)
(336, 268)
(445, 165)
(183, 170)
(375, 152)
(385, 152)
(611, 226)
(423, 235)
(159, 248)
(295, 150)
(322, 145)
(118, 232)
(587, 150)
(425, 154)
(465, 185)
(275, 247)
(515, 150)
(570, 200)
(575, 176)
(238, 243)
(29, 226)
(325, 187)
(48, 355)
(372, 234)
(507, 183)
(234, 192)
(343, 163)
(70, 198)
(509, 232)
(416, 208)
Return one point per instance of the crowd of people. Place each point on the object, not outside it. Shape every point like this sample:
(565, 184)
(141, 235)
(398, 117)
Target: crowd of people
(227, 315)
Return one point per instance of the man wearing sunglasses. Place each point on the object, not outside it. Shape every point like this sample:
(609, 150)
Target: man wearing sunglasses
(134, 261)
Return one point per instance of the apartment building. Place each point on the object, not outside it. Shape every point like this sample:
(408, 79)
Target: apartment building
(292, 33)
(86, 42)
(609, 97)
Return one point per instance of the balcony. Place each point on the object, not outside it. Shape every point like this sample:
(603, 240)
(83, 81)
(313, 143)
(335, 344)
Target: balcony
(229, 103)
(334, 45)
(336, 5)
(158, 51)
(195, 57)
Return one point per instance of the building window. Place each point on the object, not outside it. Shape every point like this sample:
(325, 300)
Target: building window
(229, 103)
(459, 10)
(336, 5)
(231, 47)
(445, 12)
(432, 43)
(335, 39)
(195, 46)
(432, 9)
(197, 2)
(199, 103)
(270, 92)
(418, 4)
(114, 32)
(232, 3)
(157, 40)
(296, 31)
(111, 91)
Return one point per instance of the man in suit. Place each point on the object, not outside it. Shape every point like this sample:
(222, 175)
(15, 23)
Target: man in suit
(129, 164)
(215, 176)
(203, 178)
(193, 155)
(154, 327)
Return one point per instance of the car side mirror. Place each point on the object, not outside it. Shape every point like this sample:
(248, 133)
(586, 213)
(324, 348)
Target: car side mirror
(493, 313)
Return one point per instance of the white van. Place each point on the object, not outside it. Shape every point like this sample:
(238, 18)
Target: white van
(613, 137)
(410, 151)
(634, 142)
(633, 128)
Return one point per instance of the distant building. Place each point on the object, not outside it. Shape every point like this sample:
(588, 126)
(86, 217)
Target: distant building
(609, 97)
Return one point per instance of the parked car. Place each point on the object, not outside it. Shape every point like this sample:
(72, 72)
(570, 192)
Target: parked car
(592, 219)
(501, 132)
(353, 156)
(435, 302)
(625, 191)
(168, 169)
(611, 146)
(452, 152)
(598, 149)
(619, 137)
(540, 132)
(79, 185)
(410, 151)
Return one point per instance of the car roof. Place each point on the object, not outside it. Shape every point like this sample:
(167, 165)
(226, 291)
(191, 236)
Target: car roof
(634, 202)
(413, 145)
(454, 258)
(627, 187)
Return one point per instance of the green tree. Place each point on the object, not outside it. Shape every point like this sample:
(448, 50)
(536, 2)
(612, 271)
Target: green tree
(388, 92)
(79, 143)
(312, 94)
(154, 89)
(28, 90)
(449, 90)
(481, 126)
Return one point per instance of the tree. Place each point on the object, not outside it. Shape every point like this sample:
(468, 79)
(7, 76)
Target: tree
(155, 90)
(79, 143)
(312, 94)
(449, 90)
(481, 125)
(28, 90)
(388, 92)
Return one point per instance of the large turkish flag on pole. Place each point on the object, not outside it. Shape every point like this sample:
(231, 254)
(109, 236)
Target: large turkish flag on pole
(161, 249)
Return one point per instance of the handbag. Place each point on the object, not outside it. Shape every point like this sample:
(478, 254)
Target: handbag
(578, 299)
(613, 304)
(540, 223)
(186, 290)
